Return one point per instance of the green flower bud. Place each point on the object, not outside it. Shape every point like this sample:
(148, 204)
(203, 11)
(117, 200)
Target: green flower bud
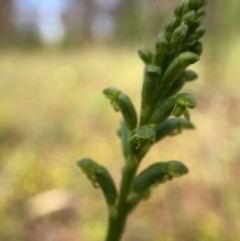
(196, 4)
(111, 93)
(200, 31)
(162, 110)
(145, 55)
(191, 38)
(154, 174)
(167, 127)
(178, 10)
(201, 3)
(124, 135)
(153, 70)
(193, 4)
(176, 86)
(189, 75)
(186, 114)
(186, 99)
(150, 84)
(149, 90)
(183, 101)
(182, 124)
(176, 169)
(197, 48)
(121, 102)
(100, 177)
(161, 48)
(161, 43)
(189, 17)
(172, 127)
(158, 59)
(178, 110)
(107, 185)
(172, 24)
(177, 66)
(144, 135)
(88, 166)
(185, 124)
(158, 173)
(185, 7)
(179, 34)
(201, 12)
(128, 111)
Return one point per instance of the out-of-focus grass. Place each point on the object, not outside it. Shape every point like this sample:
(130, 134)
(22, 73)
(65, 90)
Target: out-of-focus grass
(52, 112)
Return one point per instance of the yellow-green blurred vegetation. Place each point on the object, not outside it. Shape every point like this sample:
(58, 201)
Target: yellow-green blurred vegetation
(52, 113)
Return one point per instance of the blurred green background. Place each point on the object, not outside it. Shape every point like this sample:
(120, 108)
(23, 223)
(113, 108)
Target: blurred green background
(55, 59)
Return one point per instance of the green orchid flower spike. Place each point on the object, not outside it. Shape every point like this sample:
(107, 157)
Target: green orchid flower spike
(165, 111)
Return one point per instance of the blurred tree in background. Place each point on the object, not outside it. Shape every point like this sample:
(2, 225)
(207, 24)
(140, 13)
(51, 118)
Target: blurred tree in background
(93, 20)
(223, 28)
(6, 25)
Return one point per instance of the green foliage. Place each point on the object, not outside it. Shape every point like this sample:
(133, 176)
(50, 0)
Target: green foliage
(164, 112)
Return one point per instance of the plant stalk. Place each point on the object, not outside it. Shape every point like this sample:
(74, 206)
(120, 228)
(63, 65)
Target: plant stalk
(116, 223)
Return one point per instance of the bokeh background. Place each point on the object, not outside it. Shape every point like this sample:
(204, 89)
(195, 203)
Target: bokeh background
(56, 56)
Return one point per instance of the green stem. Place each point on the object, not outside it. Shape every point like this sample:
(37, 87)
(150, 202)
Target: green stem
(116, 227)
(117, 222)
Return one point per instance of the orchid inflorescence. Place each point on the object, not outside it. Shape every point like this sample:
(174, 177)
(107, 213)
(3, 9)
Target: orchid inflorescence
(164, 112)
